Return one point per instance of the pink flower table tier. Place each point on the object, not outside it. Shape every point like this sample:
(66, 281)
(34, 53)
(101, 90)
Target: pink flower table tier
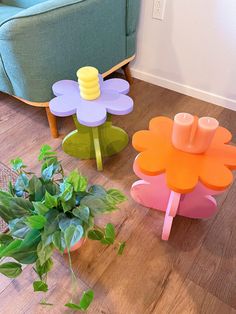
(91, 101)
(182, 164)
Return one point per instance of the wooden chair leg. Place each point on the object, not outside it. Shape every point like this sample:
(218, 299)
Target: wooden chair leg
(127, 72)
(52, 121)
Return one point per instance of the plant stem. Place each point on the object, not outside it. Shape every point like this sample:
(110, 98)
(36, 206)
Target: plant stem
(73, 277)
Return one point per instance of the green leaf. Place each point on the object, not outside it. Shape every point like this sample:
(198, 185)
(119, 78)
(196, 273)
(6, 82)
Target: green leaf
(50, 200)
(21, 207)
(40, 208)
(69, 205)
(40, 286)
(51, 226)
(13, 207)
(17, 164)
(95, 235)
(36, 189)
(26, 253)
(59, 241)
(6, 212)
(22, 183)
(10, 248)
(44, 252)
(85, 302)
(97, 189)
(47, 173)
(107, 241)
(97, 205)
(82, 212)
(52, 188)
(116, 196)
(121, 248)
(5, 239)
(72, 235)
(66, 192)
(65, 222)
(46, 151)
(110, 232)
(36, 221)
(73, 306)
(11, 269)
(18, 227)
(45, 268)
(11, 188)
(43, 302)
(78, 182)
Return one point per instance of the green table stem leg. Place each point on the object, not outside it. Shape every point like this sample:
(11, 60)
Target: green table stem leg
(76, 121)
(97, 148)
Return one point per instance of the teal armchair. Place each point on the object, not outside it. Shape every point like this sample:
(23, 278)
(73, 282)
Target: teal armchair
(42, 42)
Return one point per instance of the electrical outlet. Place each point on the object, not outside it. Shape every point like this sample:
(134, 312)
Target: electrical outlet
(159, 9)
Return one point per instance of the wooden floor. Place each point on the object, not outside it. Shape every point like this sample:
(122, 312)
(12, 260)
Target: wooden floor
(194, 272)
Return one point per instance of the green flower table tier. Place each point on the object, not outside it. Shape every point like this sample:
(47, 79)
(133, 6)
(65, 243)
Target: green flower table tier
(91, 101)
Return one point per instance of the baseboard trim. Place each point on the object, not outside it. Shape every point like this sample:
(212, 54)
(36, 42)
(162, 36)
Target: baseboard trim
(185, 89)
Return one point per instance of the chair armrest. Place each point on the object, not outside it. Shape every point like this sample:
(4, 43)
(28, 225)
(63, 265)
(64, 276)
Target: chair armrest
(50, 41)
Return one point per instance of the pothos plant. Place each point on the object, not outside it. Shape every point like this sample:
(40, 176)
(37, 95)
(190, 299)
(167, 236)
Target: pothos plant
(52, 211)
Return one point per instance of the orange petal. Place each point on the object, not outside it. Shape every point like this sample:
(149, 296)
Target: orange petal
(222, 136)
(143, 140)
(181, 176)
(151, 163)
(215, 175)
(161, 126)
(229, 156)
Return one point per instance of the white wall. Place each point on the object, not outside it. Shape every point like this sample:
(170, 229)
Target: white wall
(193, 50)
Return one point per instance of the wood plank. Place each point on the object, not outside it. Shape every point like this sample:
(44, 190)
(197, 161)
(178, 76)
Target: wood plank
(214, 268)
(191, 298)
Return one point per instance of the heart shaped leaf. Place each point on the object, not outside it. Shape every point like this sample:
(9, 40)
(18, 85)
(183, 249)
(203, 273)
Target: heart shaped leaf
(73, 234)
(11, 269)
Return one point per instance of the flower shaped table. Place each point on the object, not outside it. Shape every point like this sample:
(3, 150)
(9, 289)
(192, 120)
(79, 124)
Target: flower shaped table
(92, 101)
(182, 166)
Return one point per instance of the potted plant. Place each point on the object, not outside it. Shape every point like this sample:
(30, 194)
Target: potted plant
(52, 211)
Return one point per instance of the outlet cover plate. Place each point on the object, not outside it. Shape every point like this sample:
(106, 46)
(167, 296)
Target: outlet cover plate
(159, 7)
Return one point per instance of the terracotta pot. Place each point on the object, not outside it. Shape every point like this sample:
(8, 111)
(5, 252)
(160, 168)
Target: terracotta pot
(76, 246)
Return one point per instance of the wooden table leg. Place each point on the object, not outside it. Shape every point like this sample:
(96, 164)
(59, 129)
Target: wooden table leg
(127, 72)
(52, 121)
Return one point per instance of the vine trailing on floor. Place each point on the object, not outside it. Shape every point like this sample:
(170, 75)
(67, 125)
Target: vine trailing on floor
(52, 211)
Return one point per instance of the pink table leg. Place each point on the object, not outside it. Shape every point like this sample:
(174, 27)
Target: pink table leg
(171, 211)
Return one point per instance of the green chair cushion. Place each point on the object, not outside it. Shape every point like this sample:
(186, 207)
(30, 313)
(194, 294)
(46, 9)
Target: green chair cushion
(7, 11)
(5, 85)
(22, 3)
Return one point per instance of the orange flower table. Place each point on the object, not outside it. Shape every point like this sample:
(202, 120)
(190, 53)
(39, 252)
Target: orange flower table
(182, 180)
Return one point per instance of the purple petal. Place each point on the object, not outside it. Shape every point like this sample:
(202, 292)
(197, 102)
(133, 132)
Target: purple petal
(115, 103)
(65, 105)
(65, 87)
(92, 114)
(117, 85)
(101, 80)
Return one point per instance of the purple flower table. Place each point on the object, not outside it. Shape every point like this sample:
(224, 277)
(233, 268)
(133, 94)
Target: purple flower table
(92, 101)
